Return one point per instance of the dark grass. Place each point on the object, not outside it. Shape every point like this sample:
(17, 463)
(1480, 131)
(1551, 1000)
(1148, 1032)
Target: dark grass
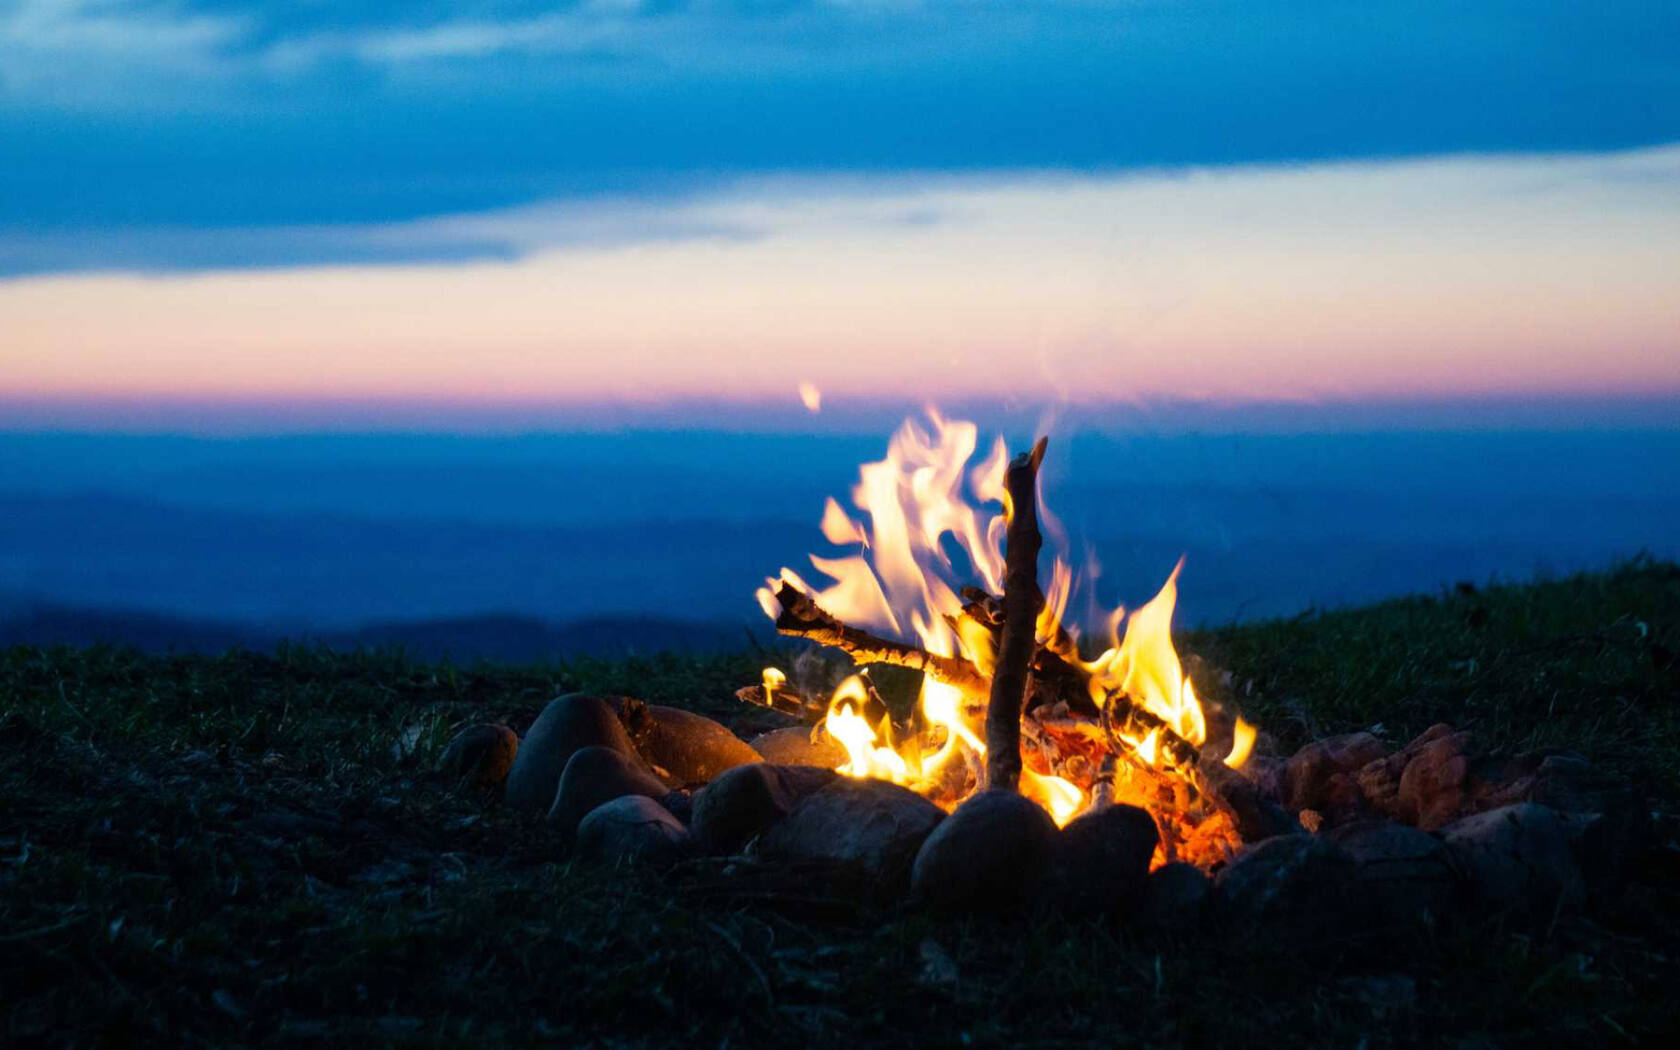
(247, 849)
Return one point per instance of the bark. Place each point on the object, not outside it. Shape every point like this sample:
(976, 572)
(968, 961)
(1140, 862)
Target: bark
(1021, 603)
(801, 617)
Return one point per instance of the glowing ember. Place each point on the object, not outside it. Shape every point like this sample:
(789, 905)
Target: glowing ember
(1130, 729)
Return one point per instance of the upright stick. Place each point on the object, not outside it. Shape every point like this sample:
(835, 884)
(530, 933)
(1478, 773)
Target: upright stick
(1021, 603)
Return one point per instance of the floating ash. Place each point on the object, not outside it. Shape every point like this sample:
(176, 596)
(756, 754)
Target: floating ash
(942, 577)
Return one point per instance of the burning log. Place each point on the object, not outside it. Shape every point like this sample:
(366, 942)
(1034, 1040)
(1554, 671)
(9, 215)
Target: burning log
(1021, 603)
(801, 617)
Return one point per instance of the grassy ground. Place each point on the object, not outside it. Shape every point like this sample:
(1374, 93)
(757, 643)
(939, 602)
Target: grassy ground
(247, 849)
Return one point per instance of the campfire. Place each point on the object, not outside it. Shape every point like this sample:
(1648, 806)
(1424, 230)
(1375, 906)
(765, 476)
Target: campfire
(943, 578)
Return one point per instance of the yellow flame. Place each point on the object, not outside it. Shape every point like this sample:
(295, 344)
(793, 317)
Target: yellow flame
(1062, 799)
(1242, 743)
(774, 679)
(810, 396)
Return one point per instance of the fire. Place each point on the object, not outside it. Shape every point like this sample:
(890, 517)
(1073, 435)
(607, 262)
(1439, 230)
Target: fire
(923, 523)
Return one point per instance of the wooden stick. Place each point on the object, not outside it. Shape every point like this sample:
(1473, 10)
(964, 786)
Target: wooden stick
(801, 617)
(1021, 602)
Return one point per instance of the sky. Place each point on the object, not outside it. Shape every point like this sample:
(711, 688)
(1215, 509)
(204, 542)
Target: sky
(473, 208)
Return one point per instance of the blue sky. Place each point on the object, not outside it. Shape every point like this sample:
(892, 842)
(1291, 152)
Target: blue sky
(148, 121)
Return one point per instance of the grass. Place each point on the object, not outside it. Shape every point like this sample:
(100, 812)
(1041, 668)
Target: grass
(249, 849)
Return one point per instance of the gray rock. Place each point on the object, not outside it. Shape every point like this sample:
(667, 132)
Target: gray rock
(799, 746)
(1174, 899)
(1257, 815)
(480, 755)
(1099, 862)
(632, 829)
(989, 857)
(873, 826)
(568, 723)
(596, 775)
(1294, 889)
(1517, 859)
(744, 802)
(1402, 874)
(691, 748)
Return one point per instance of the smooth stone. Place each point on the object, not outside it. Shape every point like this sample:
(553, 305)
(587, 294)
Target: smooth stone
(1405, 875)
(632, 829)
(799, 746)
(1174, 898)
(744, 802)
(480, 755)
(1297, 889)
(1100, 860)
(691, 748)
(989, 857)
(1517, 859)
(596, 775)
(873, 826)
(566, 725)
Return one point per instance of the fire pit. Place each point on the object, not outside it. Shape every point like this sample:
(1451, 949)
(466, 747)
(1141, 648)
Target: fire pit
(1036, 769)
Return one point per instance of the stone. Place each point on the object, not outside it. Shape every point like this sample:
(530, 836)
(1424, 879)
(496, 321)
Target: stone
(632, 829)
(1436, 782)
(1378, 781)
(1517, 859)
(1174, 898)
(1099, 862)
(480, 755)
(1294, 890)
(596, 775)
(989, 857)
(1405, 876)
(872, 826)
(567, 724)
(742, 803)
(799, 746)
(1605, 815)
(1256, 814)
(1310, 774)
(692, 749)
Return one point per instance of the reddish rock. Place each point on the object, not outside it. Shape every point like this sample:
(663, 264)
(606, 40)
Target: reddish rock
(1436, 782)
(1320, 775)
(799, 746)
(690, 748)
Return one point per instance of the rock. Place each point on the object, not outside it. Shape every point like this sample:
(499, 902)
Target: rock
(1606, 817)
(567, 724)
(989, 857)
(1254, 811)
(1174, 898)
(1099, 862)
(799, 746)
(632, 829)
(741, 804)
(1378, 781)
(873, 826)
(1310, 777)
(1517, 859)
(692, 748)
(596, 775)
(1404, 875)
(1436, 782)
(679, 804)
(1295, 890)
(481, 755)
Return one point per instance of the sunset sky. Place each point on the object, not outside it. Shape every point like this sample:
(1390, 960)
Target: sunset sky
(467, 206)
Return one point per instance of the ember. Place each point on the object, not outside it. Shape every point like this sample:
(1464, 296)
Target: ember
(932, 584)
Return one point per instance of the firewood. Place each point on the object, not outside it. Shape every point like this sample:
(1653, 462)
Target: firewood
(1021, 603)
(802, 617)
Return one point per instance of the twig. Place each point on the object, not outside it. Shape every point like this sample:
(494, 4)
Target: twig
(802, 617)
(1021, 603)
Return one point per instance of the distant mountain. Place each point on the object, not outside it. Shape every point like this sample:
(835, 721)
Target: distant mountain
(503, 638)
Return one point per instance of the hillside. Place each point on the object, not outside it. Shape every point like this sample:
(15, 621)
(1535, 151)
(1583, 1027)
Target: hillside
(249, 848)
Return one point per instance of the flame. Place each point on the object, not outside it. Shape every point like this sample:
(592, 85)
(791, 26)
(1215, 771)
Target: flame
(1242, 742)
(923, 522)
(810, 396)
